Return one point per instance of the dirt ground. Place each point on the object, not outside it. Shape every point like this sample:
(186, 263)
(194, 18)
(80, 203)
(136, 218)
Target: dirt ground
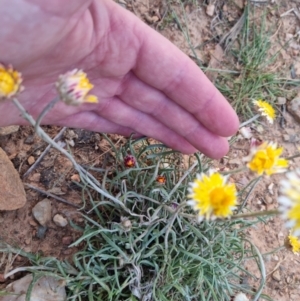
(56, 175)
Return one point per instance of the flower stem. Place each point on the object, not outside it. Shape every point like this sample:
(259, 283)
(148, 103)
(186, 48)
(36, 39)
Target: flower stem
(48, 107)
(293, 157)
(250, 120)
(84, 174)
(230, 172)
(254, 214)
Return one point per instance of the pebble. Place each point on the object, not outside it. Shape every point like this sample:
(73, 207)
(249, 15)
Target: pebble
(36, 177)
(67, 251)
(41, 232)
(281, 100)
(276, 276)
(210, 9)
(33, 223)
(67, 240)
(246, 132)
(59, 220)
(75, 178)
(7, 130)
(270, 188)
(2, 279)
(240, 297)
(30, 160)
(29, 139)
(12, 195)
(234, 161)
(268, 199)
(45, 288)
(42, 212)
(294, 108)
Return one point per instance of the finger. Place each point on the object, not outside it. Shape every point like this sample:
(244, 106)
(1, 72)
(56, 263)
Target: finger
(182, 81)
(151, 101)
(162, 65)
(115, 110)
(93, 122)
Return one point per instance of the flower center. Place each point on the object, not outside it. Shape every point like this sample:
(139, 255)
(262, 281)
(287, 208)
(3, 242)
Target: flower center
(7, 83)
(218, 197)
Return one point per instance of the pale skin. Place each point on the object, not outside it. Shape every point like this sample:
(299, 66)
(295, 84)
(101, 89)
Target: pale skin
(144, 83)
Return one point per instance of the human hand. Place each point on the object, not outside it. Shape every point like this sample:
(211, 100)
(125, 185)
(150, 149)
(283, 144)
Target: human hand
(144, 83)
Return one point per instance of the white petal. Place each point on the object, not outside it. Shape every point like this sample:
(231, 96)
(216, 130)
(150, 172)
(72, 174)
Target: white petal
(291, 224)
(284, 201)
(191, 203)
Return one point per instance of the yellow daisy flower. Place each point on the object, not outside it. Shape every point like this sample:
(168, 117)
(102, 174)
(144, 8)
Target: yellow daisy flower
(289, 201)
(73, 88)
(266, 110)
(10, 82)
(266, 159)
(211, 196)
(294, 243)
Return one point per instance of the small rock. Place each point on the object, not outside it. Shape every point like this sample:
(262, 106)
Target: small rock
(239, 3)
(294, 108)
(246, 132)
(268, 199)
(12, 194)
(45, 288)
(2, 279)
(294, 297)
(210, 9)
(281, 100)
(41, 232)
(66, 252)
(7, 130)
(260, 128)
(30, 160)
(75, 178)
(42, 212)
(286, 138)
(29, 139)
(33, 223)
(67, 240)
(240, 297)
(276, 276)
(234, 161)
(275, 257)
(36, 177)
(59, 220)
(70, 142)
(270, 188)
(288, 280)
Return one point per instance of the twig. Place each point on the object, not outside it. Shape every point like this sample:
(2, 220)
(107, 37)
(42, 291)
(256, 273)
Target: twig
(48, 194)
(276, 267)
(48, 107)
(37, 162)
(29, 269)
(287, 13)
